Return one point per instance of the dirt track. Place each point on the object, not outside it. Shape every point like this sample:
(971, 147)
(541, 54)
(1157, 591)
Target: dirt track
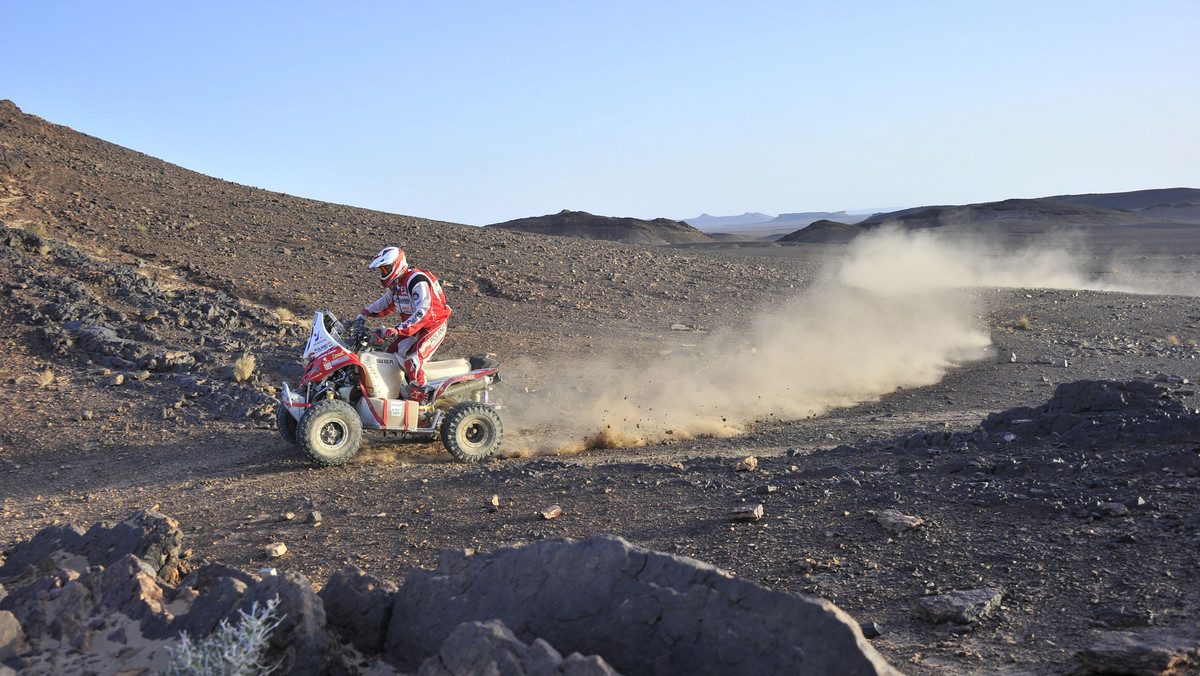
(77, 449)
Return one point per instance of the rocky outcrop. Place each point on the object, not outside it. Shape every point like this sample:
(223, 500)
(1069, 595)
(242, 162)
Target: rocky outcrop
(151, 537)
(643, 611)
(610, 605)
(184, 337)
(1080, 414)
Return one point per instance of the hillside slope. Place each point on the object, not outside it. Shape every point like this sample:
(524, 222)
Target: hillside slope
(511, 291)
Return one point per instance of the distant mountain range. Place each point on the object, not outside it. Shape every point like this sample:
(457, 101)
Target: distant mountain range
(1170, 206)
(760, 222)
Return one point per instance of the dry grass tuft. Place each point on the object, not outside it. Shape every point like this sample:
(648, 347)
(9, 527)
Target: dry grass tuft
(284, 314)
(45, 378)
(243, 368)
(1174, 340)
(1024, 324)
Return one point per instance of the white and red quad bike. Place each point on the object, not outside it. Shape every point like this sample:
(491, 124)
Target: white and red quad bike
(347, 387)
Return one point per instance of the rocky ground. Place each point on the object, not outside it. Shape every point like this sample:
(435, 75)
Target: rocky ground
(131, 288)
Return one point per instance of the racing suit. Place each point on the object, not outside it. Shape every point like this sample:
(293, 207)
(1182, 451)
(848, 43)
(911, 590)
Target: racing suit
(417, 296)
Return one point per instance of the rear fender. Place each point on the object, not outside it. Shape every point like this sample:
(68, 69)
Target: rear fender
(466, 377)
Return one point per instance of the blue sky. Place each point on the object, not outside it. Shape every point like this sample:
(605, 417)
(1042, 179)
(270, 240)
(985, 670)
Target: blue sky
(479, 112)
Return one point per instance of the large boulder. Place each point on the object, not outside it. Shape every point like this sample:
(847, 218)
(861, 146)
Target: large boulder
(642, 611)
(299, 643)
(358, 607)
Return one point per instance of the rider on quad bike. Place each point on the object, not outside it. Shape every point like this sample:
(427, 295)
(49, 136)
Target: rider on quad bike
(417, 296)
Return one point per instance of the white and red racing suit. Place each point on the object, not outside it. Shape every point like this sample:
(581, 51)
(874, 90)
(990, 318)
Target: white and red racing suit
(417, 296)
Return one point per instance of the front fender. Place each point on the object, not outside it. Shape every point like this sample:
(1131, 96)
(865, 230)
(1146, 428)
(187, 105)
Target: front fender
(294, 403)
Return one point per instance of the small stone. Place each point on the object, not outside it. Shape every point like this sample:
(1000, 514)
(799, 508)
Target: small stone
(1114, 509)
(962, 607)
(870, 629)
(287, 516)
(495, 501)
(746, 464)
(1120, 618)
(1013, 358)
(87, 415)
(766, 489)
(314, 518)
(747, 513)
(275, 550)
(116, 380)
(141, 375)
(897, 522)
(268, 572)
(551, 512)
(1134, 503)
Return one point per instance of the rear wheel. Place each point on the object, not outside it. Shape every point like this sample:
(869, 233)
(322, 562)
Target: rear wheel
(472, 431)
(330, 432)
(286, 424)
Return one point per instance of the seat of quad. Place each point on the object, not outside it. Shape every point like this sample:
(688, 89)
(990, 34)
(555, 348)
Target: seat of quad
(449, 368)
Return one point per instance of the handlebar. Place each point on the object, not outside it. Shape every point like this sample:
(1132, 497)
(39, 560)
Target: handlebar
(358, 333)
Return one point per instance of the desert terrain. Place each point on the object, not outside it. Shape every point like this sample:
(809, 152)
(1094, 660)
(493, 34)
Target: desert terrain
(858, 373)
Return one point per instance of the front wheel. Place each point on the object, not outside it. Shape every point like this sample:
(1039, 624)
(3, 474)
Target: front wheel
(285, 422)
(330, 432)
(472, 431)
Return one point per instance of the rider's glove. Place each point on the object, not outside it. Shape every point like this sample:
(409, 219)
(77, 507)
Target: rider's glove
(381, 337)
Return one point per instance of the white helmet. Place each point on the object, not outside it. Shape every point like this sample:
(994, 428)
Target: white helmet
(391, 263)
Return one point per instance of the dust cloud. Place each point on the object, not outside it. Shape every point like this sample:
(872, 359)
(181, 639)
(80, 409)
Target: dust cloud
(892, 313)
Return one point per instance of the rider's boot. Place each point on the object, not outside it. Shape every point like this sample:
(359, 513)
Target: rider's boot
(418, 393)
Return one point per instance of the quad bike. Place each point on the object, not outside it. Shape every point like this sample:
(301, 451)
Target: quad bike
(347, 387)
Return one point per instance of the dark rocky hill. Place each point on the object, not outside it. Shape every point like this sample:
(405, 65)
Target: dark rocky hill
(1111, 209)
(823, 231)
(583, 225)
(1010, 212)
(1176, 204)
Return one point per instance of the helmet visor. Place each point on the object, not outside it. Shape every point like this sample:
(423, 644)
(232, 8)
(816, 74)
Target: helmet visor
(385, 270)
